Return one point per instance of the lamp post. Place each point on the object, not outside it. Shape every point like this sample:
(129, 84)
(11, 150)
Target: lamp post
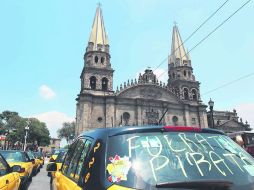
(26, 129)
(211, 104)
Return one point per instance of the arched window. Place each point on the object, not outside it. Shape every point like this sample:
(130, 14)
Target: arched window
(194, 94)
(104, 84)
(93, 82)
(186, 93)
(96, 59)
(184, 73)
(99, 119)
(126, 118)
(102, 60)
(175, 120)
(174, 75)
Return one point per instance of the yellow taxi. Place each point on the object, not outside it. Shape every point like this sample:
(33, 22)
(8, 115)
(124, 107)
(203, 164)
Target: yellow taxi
(154, 157)
(58, 161)
(36, 163)
(20, 158)
(9, 178)
(39, 155)
(55, 153)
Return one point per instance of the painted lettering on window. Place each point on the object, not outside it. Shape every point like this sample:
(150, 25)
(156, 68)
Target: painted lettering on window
(187, 154)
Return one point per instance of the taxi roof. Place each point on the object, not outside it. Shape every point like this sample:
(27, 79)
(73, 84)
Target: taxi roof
(113, 131)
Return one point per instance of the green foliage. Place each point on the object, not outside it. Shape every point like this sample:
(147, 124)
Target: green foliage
(67, 131)
(15, 125)
(39, 131)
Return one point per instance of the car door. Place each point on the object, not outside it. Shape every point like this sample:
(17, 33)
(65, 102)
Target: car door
(69, 177)
(3, 175)
(12, 181)
(7, 178)
(60, 176)
(27, 164)
(79, 176)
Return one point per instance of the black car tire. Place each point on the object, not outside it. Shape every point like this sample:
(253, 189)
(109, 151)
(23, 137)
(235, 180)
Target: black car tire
(24, 186)
(30, 178)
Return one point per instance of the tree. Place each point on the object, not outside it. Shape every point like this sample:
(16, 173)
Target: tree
(8, 121)
(14, 125)
(67, 131)
(39, 132)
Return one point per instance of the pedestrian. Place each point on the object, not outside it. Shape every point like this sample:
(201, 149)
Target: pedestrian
(239, 141)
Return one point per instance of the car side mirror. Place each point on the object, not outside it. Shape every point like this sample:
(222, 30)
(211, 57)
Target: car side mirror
(32, 160)
(51, 167)
(17, 168)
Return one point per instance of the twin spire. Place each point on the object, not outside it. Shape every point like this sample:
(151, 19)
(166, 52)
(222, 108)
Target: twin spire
(178, 54)
(99, 38)
(98, 34)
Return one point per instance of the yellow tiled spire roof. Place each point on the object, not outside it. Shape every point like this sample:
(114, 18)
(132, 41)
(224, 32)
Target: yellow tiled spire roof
(177, 48)
(98, 34)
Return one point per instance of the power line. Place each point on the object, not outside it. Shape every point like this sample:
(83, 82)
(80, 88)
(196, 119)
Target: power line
(214, 30)
(228, 83)
(200, 26)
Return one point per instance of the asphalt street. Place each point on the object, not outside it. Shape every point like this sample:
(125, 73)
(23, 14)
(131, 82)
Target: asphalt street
(40, 181)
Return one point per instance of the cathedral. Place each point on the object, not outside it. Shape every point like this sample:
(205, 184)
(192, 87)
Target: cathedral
(142, 101)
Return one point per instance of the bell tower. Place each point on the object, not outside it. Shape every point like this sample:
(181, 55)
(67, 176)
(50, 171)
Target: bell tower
(180, 72)
(97, 74)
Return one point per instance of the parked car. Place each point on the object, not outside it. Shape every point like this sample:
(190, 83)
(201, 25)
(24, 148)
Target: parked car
(58, 161)
(247, 139)
(36, 163)
(154, 157)
(55, 153)
(9, 176)
(39, 155)
(20, 158)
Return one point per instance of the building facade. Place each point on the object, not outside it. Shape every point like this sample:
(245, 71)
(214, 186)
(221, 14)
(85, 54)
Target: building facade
(141, 101)
(228, 121)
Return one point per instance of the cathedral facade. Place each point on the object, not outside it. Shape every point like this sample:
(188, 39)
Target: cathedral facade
(142, 101)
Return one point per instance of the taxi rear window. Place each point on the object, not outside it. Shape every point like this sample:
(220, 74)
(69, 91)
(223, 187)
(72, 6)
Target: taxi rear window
(145, 159)
(13, 156)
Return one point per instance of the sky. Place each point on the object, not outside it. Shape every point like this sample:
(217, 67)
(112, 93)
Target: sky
(42, 44)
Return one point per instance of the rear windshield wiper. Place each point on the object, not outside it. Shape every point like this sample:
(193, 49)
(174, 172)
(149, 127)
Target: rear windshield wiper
(198, 184)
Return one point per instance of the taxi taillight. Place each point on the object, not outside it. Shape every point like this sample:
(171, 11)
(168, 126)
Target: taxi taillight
(181, 128)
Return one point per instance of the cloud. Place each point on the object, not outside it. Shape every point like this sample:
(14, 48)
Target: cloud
(246, 112)
(46, 92)
(53, 120)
